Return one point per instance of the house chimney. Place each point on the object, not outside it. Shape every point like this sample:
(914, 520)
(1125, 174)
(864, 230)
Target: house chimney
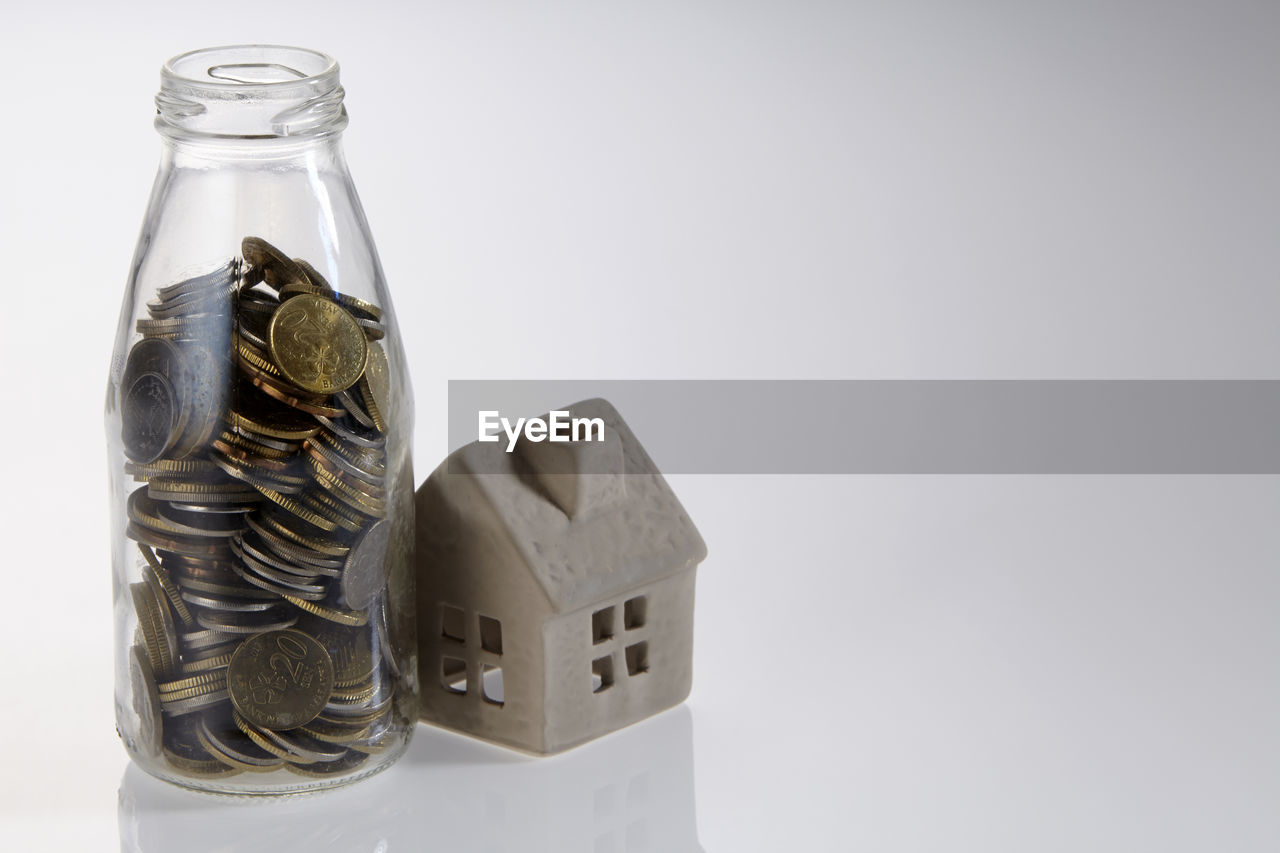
(580, 477)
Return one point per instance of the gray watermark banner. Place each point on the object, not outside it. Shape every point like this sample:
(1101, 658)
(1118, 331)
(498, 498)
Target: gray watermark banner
(915, 427)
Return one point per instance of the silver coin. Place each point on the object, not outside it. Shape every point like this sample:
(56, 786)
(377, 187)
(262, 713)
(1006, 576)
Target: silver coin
(205, 639)
(195, 703)
(256, 477)
(236, 745)
(265, 555)
(380, 621)
(372, 441)
(215, 509)
(365, 573)
(305, 592)
(301, 747)
(230, 605)
(236, 623)
(354, 409)
(148, 417)
(370, 474)
(296, 575)
(146, 702)
(224, 274)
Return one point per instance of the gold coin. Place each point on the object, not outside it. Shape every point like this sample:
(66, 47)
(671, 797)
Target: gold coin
(348, 763)
(197, 684)
(342, 617)
(375, 386)
(259, 740)
(156, 625)
(324, 466)
(266, 524)
(206, 664)
(356, 695)
(204, 490)
(170, 468)
(326, 507)
(158, 576)
(330, 733)
(248, 450)
(242, 755)
(145, 511)
(196, 767)
(370, 506)
(269, 264)
(303, 289)
(314, 275)
(293, 746)
(280, 679)
(299, 510)
(295, 430)
(288, 395)
(317, 345)
(258, 359)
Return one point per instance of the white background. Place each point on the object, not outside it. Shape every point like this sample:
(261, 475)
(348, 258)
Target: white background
(735, 190)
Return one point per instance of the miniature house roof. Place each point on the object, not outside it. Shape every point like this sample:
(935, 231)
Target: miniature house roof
(590, 519)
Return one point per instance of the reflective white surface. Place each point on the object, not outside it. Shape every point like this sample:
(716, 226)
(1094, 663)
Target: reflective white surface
(993, 664)
(629, 793)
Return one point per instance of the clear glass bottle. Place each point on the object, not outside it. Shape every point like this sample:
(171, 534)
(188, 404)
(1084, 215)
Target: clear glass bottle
(259, 425)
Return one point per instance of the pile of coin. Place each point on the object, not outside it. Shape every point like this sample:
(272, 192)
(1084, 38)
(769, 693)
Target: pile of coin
(253, 413)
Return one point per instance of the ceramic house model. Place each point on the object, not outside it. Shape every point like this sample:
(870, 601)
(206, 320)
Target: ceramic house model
(555, 589)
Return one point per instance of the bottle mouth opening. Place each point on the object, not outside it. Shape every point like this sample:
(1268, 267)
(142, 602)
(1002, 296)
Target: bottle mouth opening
(270, 68)
(250, 91)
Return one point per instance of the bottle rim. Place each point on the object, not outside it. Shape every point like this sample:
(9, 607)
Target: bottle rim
(250, 91)
(229, 59)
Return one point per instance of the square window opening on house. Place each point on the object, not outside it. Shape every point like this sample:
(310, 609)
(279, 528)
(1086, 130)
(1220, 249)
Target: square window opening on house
(638, 658)
(491, 635)
(491, 682)
(638, 790)
(602, 625)
(453, 674)
(601, 674)
(604, 801)
(637, 836)
(453, 623)
(633, 612)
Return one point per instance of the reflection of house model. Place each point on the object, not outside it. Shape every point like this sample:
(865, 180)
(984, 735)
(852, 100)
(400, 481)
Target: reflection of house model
(555, 589)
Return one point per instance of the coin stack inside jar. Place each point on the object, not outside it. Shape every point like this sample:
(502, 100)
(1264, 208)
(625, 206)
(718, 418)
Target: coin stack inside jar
(252, 412)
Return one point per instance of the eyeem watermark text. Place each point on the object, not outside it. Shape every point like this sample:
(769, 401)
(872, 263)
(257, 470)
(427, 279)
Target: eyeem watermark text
(557, 427)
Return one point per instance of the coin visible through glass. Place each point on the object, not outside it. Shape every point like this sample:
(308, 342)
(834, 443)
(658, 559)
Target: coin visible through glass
(148, 416)
(318, 346)
(253, 418)
(280, 679)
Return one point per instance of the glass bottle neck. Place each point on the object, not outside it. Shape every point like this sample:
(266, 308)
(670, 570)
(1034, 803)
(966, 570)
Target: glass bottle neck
(249, 97)
(316, 152)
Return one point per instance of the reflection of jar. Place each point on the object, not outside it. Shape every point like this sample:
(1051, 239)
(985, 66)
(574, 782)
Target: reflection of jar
(259, 427)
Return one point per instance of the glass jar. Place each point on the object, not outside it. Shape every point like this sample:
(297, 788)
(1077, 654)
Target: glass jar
(259, 425)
